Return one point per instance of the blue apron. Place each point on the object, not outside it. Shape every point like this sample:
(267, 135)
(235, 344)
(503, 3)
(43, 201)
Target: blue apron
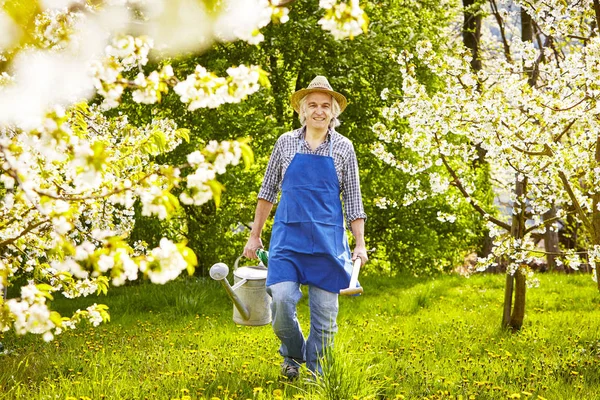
(308, 241)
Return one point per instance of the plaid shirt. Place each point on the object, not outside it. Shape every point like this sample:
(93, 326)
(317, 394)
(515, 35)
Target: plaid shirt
(344, 159)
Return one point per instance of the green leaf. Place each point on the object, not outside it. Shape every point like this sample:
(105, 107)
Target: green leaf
(172, 200)
(23, 12)
(189, 256)
(100, 155)
(190, 269)
(56, 318)
(217, 188)
(247, 155)
(184, 134)
(48, 295)
(160, 139)
(44, 287)
(263, 78)
(102, 282)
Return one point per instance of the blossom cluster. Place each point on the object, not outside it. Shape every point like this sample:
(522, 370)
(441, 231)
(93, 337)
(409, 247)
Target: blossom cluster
(561, 18)
(164, 263)
(204, 89)
(30, 314)
(445, 217)
(244, 20)
(201, 184)
(343, 20)
(54, 28)
(384, 203)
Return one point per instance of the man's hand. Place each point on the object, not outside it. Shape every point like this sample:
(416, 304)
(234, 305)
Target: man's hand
(263, 209)
(254, 243)
(360, 251)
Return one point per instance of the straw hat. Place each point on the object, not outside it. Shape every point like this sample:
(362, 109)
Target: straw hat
(319, 84)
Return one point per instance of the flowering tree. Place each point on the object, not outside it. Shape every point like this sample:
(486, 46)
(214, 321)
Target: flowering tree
(70, 175)
(532, 107)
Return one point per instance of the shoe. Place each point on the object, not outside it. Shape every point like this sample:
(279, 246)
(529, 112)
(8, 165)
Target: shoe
(290, 371)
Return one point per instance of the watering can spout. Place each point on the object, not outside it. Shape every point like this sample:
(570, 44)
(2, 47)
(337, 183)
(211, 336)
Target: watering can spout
(219, 272)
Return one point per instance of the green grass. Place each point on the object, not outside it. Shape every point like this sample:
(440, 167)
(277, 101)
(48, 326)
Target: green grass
(434, 338)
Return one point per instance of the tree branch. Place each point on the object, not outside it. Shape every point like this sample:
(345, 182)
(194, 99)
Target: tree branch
(597, 12)
(560, 135)
(281, 3)
(501, 27)
(568, 108)
(466, 195)
(16, 218)
(31, 227)
(584, 219)
(545, 222)
(532, 153)
(582, 38)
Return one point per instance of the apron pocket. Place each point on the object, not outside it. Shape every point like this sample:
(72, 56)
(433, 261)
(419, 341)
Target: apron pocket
(297, 237)
(309, 204)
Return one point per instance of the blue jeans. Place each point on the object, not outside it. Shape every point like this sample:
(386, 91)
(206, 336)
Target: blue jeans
(323, 314)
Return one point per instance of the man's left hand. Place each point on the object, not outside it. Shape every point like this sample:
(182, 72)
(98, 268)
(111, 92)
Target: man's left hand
(360, 251)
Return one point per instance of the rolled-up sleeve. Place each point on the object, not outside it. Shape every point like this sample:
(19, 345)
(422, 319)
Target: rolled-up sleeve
(270, 186)
(353, 204)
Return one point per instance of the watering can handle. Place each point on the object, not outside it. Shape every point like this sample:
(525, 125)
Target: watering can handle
(237, 260)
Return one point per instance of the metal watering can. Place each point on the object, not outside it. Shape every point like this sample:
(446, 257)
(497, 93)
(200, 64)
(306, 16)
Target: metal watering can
(252, 303)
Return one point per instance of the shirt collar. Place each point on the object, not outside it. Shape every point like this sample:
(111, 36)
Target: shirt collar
(300, 133)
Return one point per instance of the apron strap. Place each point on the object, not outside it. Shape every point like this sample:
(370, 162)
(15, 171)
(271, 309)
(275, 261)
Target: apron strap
(302, 138)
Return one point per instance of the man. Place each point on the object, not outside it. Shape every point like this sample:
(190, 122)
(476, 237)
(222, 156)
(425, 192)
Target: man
(311, 166)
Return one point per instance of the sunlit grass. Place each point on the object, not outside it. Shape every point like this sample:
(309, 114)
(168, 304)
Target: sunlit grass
(435, 338)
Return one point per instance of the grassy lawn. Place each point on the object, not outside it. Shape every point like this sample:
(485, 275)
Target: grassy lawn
(434, 338)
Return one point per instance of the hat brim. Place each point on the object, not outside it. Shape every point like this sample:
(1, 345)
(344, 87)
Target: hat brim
(300, 94)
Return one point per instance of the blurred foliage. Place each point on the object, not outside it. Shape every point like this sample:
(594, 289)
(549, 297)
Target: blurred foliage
(405, 238)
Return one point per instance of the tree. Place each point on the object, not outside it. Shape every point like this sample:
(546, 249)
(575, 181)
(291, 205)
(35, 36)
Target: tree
(71, 175)
(532, 108)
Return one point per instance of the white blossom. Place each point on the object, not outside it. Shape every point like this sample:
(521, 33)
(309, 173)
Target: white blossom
(343, 20)
(166, 263)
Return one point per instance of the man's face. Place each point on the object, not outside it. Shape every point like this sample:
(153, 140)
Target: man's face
(318, 110)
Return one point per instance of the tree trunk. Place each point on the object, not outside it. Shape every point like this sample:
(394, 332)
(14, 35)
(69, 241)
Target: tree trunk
(471, 31)
(596, 198)
(508, 294)
(550, 241)
(516, 283)
(597, 11)
(518, 313)
(596, 212)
